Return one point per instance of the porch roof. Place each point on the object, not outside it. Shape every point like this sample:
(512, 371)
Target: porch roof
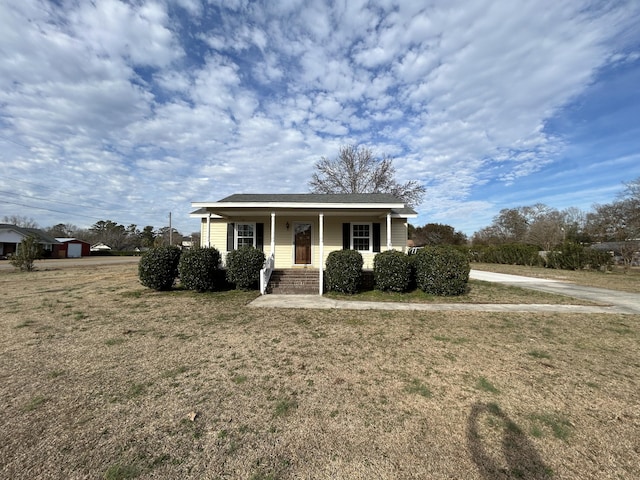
(367, 203)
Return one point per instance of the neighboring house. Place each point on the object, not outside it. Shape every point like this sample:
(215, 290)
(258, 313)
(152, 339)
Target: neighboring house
(12, 235)
(100, 247)
(73, 248)
(300, 230)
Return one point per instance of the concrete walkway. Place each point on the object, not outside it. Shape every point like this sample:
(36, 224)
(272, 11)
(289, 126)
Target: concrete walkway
(617, 302)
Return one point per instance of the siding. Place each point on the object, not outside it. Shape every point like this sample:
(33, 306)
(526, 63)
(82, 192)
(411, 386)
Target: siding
(284, 238)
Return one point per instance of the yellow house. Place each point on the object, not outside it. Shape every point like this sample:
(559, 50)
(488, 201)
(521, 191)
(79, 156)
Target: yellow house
(298, 231)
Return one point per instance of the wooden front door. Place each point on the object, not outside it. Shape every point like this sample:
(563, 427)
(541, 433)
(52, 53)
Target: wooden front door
(302, 243)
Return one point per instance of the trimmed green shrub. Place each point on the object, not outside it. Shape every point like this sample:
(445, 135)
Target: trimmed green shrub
(392, 271)
(598, 259)
(570, 256)
(243, 267)
(343, 271)
(158, 267)
(199, 269)
(509, 254)
(441, 271)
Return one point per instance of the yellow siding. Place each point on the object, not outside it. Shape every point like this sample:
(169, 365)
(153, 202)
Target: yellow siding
(284, 238)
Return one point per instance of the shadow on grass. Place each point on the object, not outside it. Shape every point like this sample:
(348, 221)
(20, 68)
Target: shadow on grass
(522, 459)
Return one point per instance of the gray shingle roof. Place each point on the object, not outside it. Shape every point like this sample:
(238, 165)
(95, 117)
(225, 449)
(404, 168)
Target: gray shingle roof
(358, 200)
(39, 234)
(313, 198)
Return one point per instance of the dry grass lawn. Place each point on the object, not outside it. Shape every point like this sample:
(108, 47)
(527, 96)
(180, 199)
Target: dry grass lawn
(616, 279)
(102, 378)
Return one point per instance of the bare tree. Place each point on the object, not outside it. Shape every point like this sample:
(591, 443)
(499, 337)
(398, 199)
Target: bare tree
(62, 230)
(20, 221)
(357, 170)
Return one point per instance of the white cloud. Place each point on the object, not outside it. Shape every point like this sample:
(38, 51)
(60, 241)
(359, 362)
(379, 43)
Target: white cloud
(460, 93)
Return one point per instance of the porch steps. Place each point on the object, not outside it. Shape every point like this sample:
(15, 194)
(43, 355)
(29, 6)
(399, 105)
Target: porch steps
(292, 281)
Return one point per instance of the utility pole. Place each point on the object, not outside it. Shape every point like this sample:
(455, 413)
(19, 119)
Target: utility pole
(170, 231)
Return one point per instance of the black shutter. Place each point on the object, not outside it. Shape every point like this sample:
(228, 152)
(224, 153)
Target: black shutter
(346, 236)
(260, 236)
(230, 235)
(376, 237)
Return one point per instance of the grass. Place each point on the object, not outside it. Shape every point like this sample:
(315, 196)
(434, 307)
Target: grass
(287, 394)
(616, 279)
(478, 292)
(485, 385)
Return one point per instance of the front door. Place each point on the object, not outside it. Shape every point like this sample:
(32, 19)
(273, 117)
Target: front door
(302, 243)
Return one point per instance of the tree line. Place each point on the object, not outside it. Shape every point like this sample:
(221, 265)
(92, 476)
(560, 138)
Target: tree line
(118, 237)
(616, 224)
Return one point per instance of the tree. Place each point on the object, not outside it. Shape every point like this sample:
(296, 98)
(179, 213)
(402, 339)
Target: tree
(166, 236)
(29, 251)
(356, 170)
(109, 233)
(62, 230)
(147, 236)
(20, 221)
(437, 234)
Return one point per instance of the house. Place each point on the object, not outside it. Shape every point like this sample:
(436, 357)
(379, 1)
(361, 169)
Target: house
(73, 248)
(298, 231)
(12, 235)
(100, 247)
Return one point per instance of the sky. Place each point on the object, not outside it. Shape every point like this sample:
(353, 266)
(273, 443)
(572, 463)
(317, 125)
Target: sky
(130, 111)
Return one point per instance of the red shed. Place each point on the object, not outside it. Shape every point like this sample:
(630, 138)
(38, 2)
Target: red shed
(73, 248)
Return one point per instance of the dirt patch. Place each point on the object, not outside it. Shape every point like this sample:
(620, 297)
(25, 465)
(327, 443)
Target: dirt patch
(102, 378)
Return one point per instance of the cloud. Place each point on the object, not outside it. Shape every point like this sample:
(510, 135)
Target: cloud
(152, 97)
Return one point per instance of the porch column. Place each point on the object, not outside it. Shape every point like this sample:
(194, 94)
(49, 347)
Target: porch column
(208, 244)
(388, 231)
(321, 251)
(273, 233)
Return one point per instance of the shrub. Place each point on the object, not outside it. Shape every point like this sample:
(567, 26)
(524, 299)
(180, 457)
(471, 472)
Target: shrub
(573, 256)
(598, 259)
(510, 254)
(392, 271)
(158, 267)
(199, 269)
(441, 271)
(343, 271)
(570, 256)
(243, 267)
(28, 252)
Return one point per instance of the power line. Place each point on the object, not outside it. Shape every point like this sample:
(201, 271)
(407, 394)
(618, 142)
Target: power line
(48, 209)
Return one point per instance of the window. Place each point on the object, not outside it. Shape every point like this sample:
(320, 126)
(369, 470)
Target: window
(245, 235)
(361, 237)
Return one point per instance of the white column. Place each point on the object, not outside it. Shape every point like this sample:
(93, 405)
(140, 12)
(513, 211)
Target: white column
(321, 251)
(273, 233)
(208, 244)
(388, 231)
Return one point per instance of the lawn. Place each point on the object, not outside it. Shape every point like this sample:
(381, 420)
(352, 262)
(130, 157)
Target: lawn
(616, 278)
(102, 378)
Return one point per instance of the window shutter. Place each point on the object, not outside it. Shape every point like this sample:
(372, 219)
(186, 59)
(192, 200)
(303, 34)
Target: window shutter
(376, 237)
(260, 236)
(346, 236)
(230, 235)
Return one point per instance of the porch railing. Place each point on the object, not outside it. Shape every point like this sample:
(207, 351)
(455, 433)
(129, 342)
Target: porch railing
(265, 273)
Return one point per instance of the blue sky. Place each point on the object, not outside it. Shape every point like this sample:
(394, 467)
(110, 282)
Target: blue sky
(130, 110)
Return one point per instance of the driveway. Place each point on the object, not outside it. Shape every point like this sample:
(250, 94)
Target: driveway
(623, 302)
(613, 301)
